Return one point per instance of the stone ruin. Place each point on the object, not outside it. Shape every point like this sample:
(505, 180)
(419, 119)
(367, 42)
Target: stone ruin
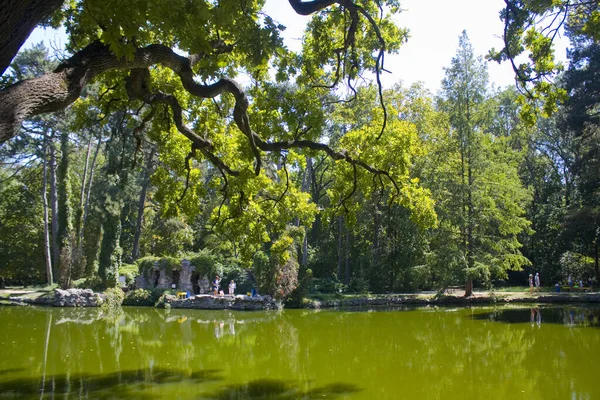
(185, 280)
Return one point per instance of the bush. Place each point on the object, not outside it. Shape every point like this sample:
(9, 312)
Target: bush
(206, 263)
(113, 298)
(328, 285)
(144, 297)
(129, 271)
(146, 265)
(139, 297)
(305, 282)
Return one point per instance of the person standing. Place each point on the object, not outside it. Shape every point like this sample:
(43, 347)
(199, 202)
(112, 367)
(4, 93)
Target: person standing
(537, 281)
(231, 287)
(215, 285)
(530, 283)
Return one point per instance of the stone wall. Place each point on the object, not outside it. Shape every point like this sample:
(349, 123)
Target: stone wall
(240, 302)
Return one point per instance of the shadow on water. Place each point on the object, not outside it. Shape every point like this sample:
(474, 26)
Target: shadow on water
(567, 316)
(271, 389)
(117, 385)
(10, 371)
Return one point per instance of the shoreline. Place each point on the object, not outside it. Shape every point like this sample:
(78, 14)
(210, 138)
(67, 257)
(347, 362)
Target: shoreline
(242, 302)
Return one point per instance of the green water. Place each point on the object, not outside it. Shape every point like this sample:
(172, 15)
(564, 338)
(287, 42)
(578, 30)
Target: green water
(143, 353)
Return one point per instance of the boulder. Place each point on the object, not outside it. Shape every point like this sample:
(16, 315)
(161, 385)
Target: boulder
(76, 298)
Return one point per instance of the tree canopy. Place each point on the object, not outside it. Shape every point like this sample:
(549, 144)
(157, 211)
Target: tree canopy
(142, 143)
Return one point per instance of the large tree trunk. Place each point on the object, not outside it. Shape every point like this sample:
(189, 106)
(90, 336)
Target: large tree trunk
(47, 255)
(469, 287)
(18, 18)
(141, 205)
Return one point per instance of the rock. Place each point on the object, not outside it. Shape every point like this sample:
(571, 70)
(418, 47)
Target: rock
(76, 298)
(239, 303)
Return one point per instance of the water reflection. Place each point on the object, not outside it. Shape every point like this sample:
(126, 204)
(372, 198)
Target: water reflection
(536, 317)
(568, 316)
(491, 353)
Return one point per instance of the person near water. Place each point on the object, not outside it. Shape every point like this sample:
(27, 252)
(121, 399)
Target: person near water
(231, 287)
(537, 281)
(215, 285)
(530, 283)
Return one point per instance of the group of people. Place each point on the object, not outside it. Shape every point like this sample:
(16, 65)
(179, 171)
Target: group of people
(534, 281)
(217, 282)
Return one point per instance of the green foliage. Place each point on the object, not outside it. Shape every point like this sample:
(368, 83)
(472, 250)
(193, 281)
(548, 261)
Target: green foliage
(206, 263)
(146, 265)
(129, 271)
(305, 281)
(480, 197)
(530, 29)
(143, 297)
(168, 237)
(328, 285)
(577, 266)
(277, 272)
(21, 230)
(110, 252)
(65, 214)
(113, 298)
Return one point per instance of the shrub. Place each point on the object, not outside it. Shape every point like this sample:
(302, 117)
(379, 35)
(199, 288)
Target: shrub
(305, 281)
(139, 297)
(277, 273)
(146, 265)
(129, 271)
(206, 263)
(328, 285)
(113, 298)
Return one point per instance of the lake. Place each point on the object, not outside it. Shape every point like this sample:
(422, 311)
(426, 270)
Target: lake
(423, 353)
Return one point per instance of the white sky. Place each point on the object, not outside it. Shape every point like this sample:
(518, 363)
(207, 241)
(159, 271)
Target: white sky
(434, 25)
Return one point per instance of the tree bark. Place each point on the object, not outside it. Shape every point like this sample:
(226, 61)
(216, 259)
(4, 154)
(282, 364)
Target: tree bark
(65, 223)
(340, 242)
(596, 251)
(306, 188)
(141, 205)
(18, 19)
(86, 206)
(78, 253)
(469, 287)
(347, 256)
(54, 206)
(47, 255)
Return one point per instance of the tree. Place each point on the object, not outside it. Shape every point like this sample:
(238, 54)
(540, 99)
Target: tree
(582, 125)
(530, 28)
(138, 38)
(18, 20)
(485, 211)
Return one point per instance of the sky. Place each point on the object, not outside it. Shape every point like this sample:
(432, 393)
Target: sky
(434, 25)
